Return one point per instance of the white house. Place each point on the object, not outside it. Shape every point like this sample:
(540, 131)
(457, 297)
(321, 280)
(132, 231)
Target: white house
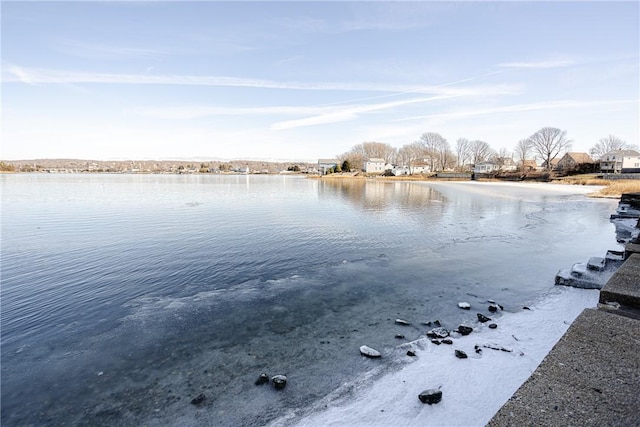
(611, 162)
(374, 166)
(485, 168)
(631, 164)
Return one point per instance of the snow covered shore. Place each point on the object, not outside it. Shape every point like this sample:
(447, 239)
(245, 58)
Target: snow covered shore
(473, 388)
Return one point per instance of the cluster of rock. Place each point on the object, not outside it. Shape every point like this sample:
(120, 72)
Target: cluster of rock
(595, 273)
(278, 381)
(441, 335)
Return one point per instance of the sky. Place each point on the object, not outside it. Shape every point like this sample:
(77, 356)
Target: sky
(299, 81)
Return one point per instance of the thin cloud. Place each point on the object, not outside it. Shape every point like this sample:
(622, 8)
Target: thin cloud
(553, 105)
(560, 63)
(99, 51)
(350, 113)
(197, 112)
(16, 74)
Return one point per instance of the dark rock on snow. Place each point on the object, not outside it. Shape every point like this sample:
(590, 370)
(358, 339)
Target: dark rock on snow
(279, 381)
(477, 348)
(465, 330)
(262, 379)
(461, 354)
(430, 396)
(447, 341)
(399, 336)
(437, 323)
(438, 333)
(436, 342)
(482, 318)
(492, 326)
(411, 353)
(198, 399)
(493, 308)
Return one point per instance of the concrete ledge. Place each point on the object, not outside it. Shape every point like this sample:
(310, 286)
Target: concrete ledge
(590, 378)
(630, 249)
(624, 286)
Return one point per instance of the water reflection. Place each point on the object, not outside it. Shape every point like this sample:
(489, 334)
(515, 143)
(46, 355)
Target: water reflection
(379, 196)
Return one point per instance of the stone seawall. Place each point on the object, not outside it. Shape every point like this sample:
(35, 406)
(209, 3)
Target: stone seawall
(591, 377)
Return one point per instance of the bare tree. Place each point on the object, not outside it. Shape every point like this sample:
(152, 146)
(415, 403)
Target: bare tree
(479, 151)
(361, 153)
(462, 152)
(410, 154)
(609, 143)
(522, 150)
(436, 148)
(548, 143)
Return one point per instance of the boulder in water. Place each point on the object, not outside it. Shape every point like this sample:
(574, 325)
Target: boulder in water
(365, 350)
(262, 379)
(279, 381)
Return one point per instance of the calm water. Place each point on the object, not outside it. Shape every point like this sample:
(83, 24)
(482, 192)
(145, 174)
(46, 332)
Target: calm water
(125, 296)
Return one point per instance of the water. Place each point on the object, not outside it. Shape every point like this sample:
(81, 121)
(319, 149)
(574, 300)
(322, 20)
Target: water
(125, 296)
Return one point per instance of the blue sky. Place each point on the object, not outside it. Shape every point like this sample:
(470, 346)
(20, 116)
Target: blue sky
(307, 80)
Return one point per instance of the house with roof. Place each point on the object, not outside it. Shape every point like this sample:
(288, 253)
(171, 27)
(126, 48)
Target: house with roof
(487, 167)
(571, 161)
(374, 165)
(528, 165)
(553, 164)
(612, 162)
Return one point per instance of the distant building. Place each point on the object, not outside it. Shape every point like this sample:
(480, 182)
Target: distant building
(324, 165)
(485, 167)
(528, 165)
(553, 164)
(612, 162)
(374, 166)
(572, 161)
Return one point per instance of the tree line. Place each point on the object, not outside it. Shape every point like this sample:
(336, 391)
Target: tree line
(431, 148)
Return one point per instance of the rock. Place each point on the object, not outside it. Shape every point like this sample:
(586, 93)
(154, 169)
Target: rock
(526, 308)
(262, 379)
(436, 342)
(482, 318)
(465, 330)
(490, 301)
(477, 348)
(369, 352)
(461, 354)
(493, 308)
(400, 336)
(198, 399)
(430, 396)
(492, 326)
(501, 307)
(279, 381)
(402, 322)
(596, 264)
(438, 333)
(464, 305)
(437, 323)
(411, 353)
(426, 323)
(447, 341)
